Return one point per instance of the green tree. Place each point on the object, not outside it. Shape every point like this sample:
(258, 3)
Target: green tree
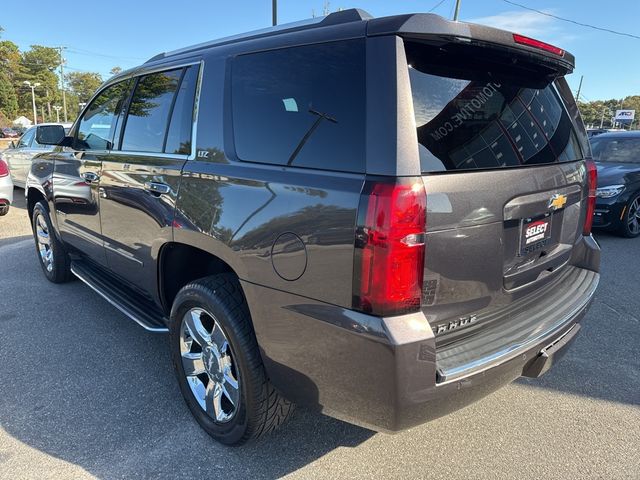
(38, 65)
(83, 84)
(8, 97)
(115, 70)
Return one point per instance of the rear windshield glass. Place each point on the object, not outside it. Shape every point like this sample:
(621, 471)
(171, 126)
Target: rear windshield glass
(616, 150)
(485, 119)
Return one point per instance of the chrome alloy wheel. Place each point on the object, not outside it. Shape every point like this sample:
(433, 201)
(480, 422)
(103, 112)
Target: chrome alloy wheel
(44, 242)
(209, 365)
(634, 216)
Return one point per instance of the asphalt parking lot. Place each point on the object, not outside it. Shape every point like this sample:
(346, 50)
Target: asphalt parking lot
(86, 393)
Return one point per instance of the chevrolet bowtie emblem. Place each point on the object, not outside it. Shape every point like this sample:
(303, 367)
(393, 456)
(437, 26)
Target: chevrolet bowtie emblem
(557, 201)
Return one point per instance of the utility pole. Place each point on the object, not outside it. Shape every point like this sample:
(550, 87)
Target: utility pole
(274, 12)
(579, 88)
(33, 87)
(456, 11)
(604, 109)
(64, 96)
(57, 108)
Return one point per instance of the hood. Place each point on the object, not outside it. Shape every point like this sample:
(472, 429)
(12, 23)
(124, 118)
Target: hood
(610, 173)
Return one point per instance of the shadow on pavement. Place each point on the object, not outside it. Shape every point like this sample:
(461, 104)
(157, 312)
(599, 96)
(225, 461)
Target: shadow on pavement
(19, 200)
(82, 383)
(603, 361)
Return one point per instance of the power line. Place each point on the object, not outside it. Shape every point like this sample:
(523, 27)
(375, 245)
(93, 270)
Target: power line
(436, 6)
(572, 21)
(80, 51)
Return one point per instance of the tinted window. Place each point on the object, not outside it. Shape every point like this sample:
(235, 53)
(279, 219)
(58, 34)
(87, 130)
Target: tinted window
(179, 135)
(480, 119)
(25, 140)
(302, 106)
(623, 150)
(98, 124)
(148, 115)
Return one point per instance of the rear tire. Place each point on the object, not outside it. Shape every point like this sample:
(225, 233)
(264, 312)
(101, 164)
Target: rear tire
(53, 257)
(630, 224)
(218, 362)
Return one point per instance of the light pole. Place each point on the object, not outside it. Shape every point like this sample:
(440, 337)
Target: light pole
(33, 87)
(57, 108)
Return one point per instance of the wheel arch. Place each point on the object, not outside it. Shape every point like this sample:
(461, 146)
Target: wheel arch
(181, 263)
(34, 195)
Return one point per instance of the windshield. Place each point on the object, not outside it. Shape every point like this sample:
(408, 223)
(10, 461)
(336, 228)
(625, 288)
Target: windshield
(469, 119)
(616, 150)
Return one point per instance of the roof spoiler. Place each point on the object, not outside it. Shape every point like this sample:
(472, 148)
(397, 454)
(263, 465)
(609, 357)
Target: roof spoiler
(433, 27)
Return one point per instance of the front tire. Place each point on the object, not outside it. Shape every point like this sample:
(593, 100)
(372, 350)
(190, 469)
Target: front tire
(630, 226)
(218, 362)
(53, 258)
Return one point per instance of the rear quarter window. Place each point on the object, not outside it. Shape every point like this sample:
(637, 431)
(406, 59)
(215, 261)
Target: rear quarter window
(301, 106)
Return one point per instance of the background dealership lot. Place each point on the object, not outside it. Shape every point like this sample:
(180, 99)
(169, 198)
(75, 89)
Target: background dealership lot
(86, 393)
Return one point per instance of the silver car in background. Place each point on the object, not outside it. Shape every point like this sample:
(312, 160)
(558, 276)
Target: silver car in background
(19, 155)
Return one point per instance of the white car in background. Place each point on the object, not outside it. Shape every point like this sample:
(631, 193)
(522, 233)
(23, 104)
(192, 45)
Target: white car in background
(6, 188)
(19, 155)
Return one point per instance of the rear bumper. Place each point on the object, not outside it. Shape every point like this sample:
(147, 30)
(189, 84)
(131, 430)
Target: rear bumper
(381, 373)
(6, 194)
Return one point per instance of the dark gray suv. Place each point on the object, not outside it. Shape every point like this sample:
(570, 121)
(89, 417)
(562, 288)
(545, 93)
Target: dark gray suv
(383, 219)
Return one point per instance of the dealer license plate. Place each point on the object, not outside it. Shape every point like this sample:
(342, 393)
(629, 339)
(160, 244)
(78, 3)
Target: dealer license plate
(536, 234)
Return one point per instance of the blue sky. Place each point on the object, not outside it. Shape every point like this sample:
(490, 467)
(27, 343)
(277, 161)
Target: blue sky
(100, 35)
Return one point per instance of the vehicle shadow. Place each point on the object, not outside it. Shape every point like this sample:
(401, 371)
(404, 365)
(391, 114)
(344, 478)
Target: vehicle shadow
(603, 361)
(19, 200)
(83, 383)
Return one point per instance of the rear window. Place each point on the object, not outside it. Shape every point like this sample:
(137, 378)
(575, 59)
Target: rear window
(301, 106)
(616, 150)
(485, 119)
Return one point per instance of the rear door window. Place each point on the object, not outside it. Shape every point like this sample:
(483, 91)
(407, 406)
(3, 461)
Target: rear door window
(476, 119)
(149, 112)
(301, 106)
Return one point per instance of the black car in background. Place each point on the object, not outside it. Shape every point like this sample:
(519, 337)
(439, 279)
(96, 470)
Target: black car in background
(617, 157)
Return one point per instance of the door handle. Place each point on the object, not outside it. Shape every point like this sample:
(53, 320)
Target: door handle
(90, 177)
(158, 188)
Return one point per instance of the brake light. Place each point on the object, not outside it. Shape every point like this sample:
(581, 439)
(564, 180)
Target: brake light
(390, 247)
(4, 169)
(532, 42)
(592, 182)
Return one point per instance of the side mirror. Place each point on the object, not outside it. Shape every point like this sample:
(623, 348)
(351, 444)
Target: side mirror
(50, 134)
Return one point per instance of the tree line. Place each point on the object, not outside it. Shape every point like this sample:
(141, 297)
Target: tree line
(602, 111)
(40, 64)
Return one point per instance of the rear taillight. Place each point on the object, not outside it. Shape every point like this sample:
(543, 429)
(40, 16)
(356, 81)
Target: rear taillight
(4, 170)
(592, 182)
(390, 247)
(532, 42)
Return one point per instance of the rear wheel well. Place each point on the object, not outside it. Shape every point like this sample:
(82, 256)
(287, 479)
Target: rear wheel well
(34, 196)
(180, 264)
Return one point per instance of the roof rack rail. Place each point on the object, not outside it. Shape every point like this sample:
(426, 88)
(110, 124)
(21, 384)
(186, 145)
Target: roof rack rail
(336, 18)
